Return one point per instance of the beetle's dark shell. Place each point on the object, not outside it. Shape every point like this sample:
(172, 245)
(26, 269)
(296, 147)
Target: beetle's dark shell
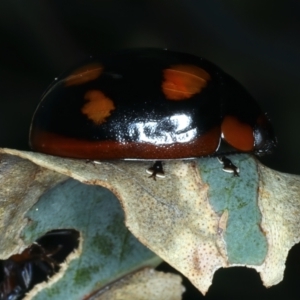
(148, 104)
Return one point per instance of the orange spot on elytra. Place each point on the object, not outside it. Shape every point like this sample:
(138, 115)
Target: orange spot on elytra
(183, 81)
(84, 74)
(98, 107)
(237, 134)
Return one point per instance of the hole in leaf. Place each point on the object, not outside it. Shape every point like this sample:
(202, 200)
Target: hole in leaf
(21, 272)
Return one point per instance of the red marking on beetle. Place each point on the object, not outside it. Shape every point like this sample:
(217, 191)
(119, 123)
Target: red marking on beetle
(98, 107)
(237, 134)
(181, 82)
(84, 74)
(59, 145)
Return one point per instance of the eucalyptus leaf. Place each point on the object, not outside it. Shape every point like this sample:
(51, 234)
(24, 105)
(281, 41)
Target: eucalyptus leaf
(199, 218)
(146, 284)
(36, 200)
(108, 251)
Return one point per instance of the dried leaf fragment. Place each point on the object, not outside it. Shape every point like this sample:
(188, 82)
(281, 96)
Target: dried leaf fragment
(146, 284)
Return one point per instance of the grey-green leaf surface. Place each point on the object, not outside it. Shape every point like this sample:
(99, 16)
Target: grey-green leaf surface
(245, 241)
(109, 250)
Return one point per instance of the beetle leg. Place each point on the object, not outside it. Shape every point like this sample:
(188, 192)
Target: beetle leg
(228, 166)
(156, 170)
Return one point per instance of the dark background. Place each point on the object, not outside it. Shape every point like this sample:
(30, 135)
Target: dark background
(257, 42)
